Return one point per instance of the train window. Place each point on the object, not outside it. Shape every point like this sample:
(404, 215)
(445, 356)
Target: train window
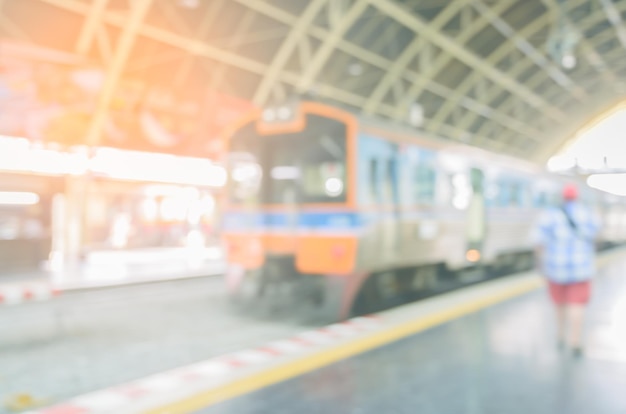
(511, 194)
(391, 183)
(517, 195)
(373, 180)
(491, 193)
(541, 199)
(302, 167)
(504, 194)
(245, 166)
(425, 183)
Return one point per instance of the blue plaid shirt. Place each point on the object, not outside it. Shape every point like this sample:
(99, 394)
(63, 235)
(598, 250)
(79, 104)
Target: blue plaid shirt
(568, 254)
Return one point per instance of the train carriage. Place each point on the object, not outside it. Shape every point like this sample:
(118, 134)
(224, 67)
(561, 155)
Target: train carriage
(333, 215)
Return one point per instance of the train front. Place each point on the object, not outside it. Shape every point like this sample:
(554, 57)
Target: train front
(289, 224)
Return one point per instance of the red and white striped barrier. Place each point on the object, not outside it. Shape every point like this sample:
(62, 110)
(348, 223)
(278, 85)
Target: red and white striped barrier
(28, 292)
(146, 391)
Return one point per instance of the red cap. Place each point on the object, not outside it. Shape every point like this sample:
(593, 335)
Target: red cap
(570, 192)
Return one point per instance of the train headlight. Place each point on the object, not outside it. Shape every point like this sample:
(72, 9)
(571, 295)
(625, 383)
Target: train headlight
(472, 255)
(284, 113)
(333, 187)
(269, 115)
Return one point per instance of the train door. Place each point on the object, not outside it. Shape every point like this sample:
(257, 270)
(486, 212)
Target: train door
(476, 228)
(391, 203)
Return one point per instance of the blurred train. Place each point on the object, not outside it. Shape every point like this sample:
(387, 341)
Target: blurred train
(334, 215)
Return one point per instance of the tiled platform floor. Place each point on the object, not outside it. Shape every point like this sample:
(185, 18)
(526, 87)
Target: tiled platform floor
(503, 359)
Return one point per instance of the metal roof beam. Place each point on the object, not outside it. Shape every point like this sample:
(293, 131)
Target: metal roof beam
(329, 45)
(536, 78)
(430, 71)
(292, 40)
(530, 51)
(105, 46)
(351, 49)
(201, 31)
(199, 48)
(615, 17)
(539, 76)
(498, 54)
(450, 46)
(139, 9)
(401, 63)
(90, 26)
(218, 75)
(189, 45)
(563, 133)
(591, 55)
(480, 109)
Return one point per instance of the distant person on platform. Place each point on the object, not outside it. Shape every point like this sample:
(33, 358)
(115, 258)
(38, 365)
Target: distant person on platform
(566, 255)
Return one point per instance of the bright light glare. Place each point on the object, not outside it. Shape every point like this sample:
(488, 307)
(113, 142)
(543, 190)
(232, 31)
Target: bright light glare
(603, 141)
(460, 181)
(188, 193)
(18, 154)
(611, 183)
(174, 209)
(18, 198)
(561, 163)
(285, 173)
(138, 166)
(618, 321)
(334, 187)
(569, 61)
(246, 172)
(150, 209)
(195, 238)
(461, 202)
(199, 208)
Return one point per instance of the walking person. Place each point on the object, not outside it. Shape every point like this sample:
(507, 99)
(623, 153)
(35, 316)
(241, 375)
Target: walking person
(566, 255)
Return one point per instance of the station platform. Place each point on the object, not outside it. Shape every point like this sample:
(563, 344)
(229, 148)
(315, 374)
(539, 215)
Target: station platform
(501, 359)
(107, 268)
(489, 348)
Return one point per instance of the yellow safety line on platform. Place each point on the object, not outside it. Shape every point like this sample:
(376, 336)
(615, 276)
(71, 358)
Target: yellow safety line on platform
(308, 363)
(325, 357)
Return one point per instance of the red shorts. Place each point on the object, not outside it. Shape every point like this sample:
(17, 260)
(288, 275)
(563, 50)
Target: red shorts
(575, 293)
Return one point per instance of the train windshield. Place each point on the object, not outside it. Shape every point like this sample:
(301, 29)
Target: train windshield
(292, 168)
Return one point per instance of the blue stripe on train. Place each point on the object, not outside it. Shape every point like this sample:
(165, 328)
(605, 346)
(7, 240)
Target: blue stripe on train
(323, 221)
(351, 221)
(241, 221)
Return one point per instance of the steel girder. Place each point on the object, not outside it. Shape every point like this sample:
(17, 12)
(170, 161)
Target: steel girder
(472, 60)
(138, 11)
(537, 78)
(496, 102)
(289, 45)
(383, 63)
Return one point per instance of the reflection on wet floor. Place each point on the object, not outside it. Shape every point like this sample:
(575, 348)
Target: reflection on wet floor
(503, 359)
(85, 341)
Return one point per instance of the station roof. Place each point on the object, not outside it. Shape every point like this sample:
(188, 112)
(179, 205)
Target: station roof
(513, 76)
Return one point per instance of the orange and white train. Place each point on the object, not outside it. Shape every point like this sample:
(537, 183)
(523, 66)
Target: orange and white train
(331, 215)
